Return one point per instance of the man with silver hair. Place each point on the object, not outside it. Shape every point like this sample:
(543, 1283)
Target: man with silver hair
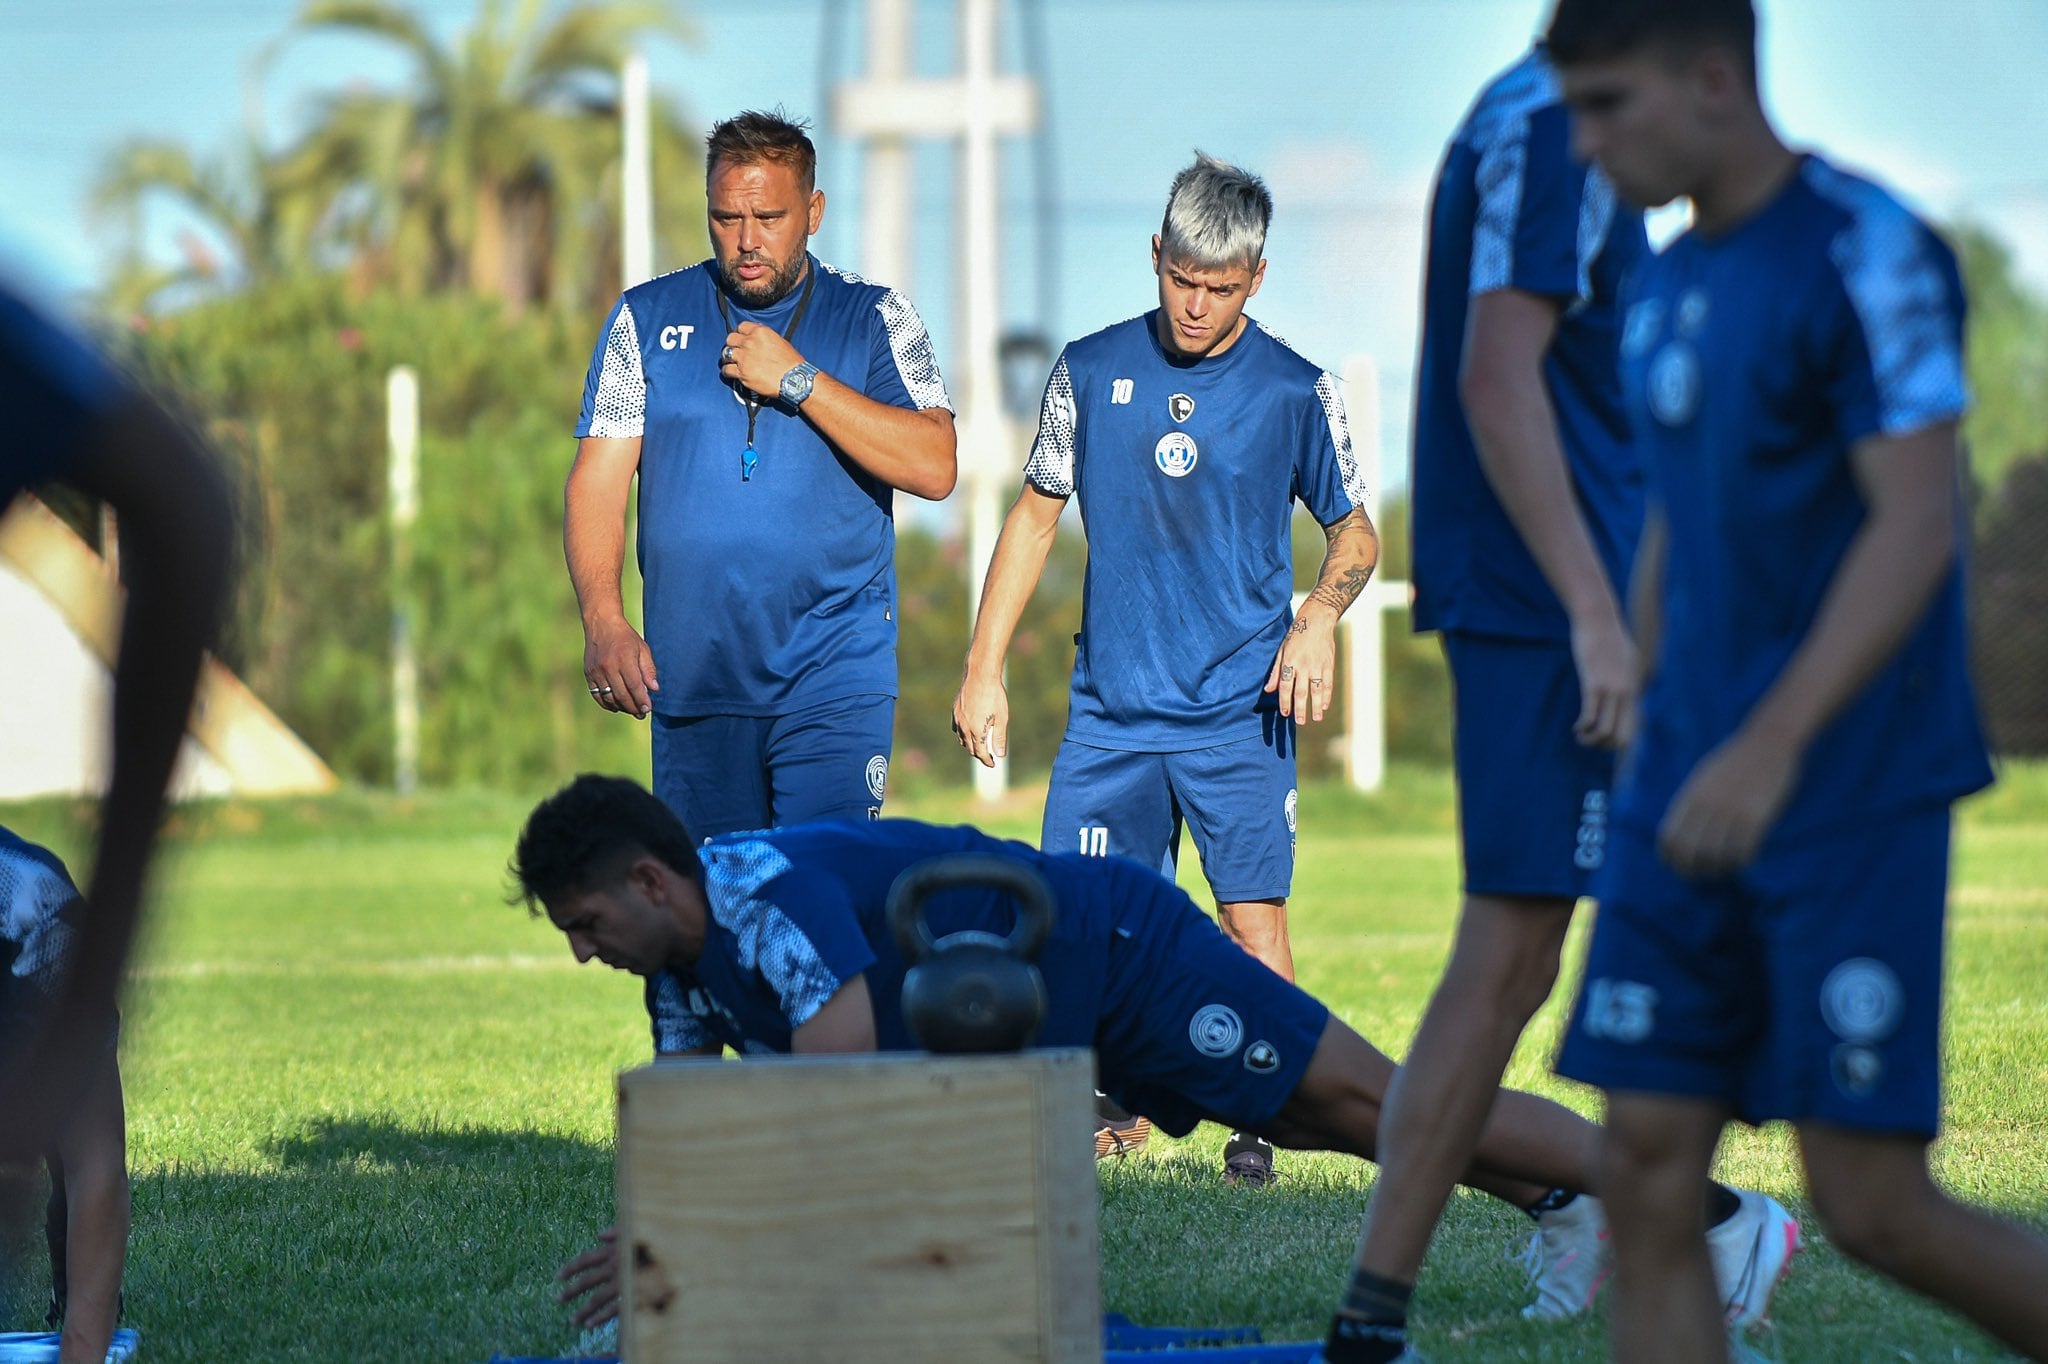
(1189, 432)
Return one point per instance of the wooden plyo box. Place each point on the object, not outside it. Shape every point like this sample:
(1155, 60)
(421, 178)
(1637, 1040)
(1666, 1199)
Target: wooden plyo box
(860, 1209)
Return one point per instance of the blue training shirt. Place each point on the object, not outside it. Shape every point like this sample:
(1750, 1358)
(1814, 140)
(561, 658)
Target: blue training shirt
(795, 913)
(776, 592)
(1187, 475)
(52, 388)
(1755, 361)
(1513, 210)
(38, 904)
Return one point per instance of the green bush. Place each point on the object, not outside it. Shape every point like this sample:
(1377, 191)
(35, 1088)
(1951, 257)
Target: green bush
(2010, 615)
(290, 380)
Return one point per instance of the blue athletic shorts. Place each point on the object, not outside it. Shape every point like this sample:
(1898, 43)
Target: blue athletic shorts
(1237, 798)
(1532, 800)
(1807, 986)
(725, 773)
(1193, 1026)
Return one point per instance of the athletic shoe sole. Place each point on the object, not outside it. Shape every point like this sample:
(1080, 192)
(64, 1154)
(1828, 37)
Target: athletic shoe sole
(1122, 1138)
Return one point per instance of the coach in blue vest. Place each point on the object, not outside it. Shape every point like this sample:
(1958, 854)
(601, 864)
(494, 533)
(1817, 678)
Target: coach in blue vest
(771, 407)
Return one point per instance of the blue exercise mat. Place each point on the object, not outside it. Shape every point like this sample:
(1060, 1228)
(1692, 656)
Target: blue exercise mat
(40, 1347)
(1123, 1342)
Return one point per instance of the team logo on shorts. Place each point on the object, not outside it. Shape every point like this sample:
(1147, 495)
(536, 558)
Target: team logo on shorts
(1861, 1000)
(1216, 1030)
(1592, 837)
(1176, 454)
(1262, 1058)
(878, 775)
(1180, 407)
(1288, 806)
(1857, 1069)
(1675, 383)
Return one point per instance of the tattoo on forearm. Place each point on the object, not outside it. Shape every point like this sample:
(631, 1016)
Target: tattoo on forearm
(1339, 595)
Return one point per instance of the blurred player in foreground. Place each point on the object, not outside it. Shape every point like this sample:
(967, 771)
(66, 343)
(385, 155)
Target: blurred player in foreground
(71, 419)
(1527, 506)
(777, 942)
(1769, 942)
(41, 916)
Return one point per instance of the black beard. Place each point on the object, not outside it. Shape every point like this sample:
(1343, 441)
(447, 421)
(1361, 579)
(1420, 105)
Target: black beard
(769, 291)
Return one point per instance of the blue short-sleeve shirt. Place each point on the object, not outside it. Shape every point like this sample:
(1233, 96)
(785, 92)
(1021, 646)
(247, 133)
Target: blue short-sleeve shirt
(1187, 475)
(1513, 210)
(38, 933)
(1754, 362)
(773, 592)
(796, 913)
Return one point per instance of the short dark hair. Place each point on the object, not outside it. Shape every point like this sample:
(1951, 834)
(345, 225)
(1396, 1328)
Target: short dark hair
(1592, 30)
(750, 138)
(586, 834)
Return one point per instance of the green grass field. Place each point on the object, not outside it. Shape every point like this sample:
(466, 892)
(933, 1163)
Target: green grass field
(369, 1103)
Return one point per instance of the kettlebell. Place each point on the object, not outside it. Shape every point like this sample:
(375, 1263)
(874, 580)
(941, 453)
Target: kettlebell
(972, 991)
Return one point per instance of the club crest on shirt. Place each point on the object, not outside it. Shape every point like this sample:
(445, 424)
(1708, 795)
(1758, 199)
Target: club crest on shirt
(1645, 320)
(1180, 407)
(1692, 313)
(1674, 383)
(1176, 454)
(1262, 1058)
(878, 775)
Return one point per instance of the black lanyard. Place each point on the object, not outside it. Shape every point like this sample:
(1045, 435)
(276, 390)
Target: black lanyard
(748, 458)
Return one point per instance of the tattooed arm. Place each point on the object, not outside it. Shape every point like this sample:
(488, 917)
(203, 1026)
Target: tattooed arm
(1304, 670)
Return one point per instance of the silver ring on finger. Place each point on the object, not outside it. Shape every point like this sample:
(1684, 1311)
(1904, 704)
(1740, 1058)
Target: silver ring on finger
(593, 691)
(725, 355)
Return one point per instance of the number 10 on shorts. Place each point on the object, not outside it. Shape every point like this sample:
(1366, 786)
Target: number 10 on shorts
(1094, 840)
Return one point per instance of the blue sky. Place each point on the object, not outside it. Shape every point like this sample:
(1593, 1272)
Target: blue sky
(1342, 104)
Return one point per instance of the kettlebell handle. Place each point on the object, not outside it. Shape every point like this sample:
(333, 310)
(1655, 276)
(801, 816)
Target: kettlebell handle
(908, 894)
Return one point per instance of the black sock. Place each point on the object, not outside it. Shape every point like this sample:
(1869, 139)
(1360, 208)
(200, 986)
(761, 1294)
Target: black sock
(1551, 1202)
(1722, 1203)
(1371, 1327)
(1364, 1342)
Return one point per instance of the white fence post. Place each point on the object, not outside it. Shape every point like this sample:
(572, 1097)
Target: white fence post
(402, 428)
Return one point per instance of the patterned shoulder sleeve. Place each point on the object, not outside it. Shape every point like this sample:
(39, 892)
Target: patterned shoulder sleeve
(1330, 396)
(1541, 218)
(676, 1029)
(33, 898)
(1050, 467)
(910, 346)
(615, 392)
(1905, 295)
(759, 896)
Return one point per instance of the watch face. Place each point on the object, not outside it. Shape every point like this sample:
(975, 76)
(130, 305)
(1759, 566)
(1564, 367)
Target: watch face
(796, 385)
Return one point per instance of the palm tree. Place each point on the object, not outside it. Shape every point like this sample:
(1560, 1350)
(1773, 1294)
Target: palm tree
(243, 227)
(497, 169)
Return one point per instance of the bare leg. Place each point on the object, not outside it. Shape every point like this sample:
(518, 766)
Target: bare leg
(1662, 1305)
(1260, 928)
(1879, 1204)
(1527, 1146)
(1502, 968)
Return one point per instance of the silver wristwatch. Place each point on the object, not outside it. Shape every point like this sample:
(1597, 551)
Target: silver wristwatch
(796, 385)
